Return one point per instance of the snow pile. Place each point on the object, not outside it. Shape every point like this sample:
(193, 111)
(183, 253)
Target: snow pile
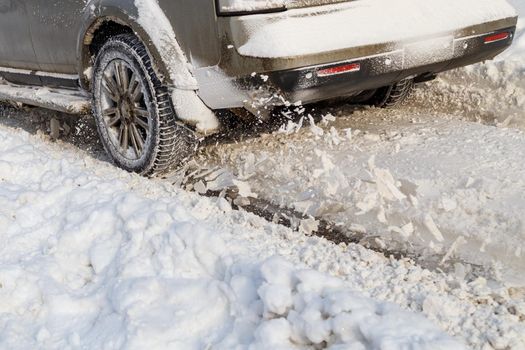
(92, 257)
(305, 308)
(295, 32)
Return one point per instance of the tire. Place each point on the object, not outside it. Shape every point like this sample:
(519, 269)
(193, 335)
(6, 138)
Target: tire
(393, 95)
(133, 111)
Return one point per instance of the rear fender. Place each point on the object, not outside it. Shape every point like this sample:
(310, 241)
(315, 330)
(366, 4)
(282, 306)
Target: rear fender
(149, 23)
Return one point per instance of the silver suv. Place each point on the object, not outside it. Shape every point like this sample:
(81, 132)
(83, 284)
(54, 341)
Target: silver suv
(155, 71)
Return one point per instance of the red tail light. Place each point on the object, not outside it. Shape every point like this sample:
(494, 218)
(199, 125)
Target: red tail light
(347, 68)
(496, 37)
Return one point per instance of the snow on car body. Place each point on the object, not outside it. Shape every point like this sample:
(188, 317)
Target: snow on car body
(190, 58)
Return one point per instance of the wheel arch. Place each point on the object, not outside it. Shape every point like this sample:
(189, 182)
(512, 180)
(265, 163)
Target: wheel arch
(111, 14)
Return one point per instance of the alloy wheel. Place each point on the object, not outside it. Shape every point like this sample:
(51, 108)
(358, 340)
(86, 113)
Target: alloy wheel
(125, 109)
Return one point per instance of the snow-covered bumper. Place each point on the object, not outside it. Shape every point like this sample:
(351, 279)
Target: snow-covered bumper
(315, 53)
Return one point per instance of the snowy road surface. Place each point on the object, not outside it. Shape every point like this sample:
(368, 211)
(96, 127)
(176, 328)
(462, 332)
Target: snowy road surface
(93, 257)
(432, 185)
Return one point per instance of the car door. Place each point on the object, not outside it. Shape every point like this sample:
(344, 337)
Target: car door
(54, 26)
(16, 48)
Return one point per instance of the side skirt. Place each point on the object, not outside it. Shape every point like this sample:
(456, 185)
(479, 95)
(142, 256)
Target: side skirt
(72, 101)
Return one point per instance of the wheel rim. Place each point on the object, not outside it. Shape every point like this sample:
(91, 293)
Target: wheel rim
(125, 109)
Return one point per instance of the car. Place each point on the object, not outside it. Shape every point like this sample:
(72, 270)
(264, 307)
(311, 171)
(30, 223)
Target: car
(154, 73)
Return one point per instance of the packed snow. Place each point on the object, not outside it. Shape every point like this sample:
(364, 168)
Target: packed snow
(66, 100)
(431, 187)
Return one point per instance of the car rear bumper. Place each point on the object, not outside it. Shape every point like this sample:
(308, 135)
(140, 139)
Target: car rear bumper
(379, 65)
(320, 82)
